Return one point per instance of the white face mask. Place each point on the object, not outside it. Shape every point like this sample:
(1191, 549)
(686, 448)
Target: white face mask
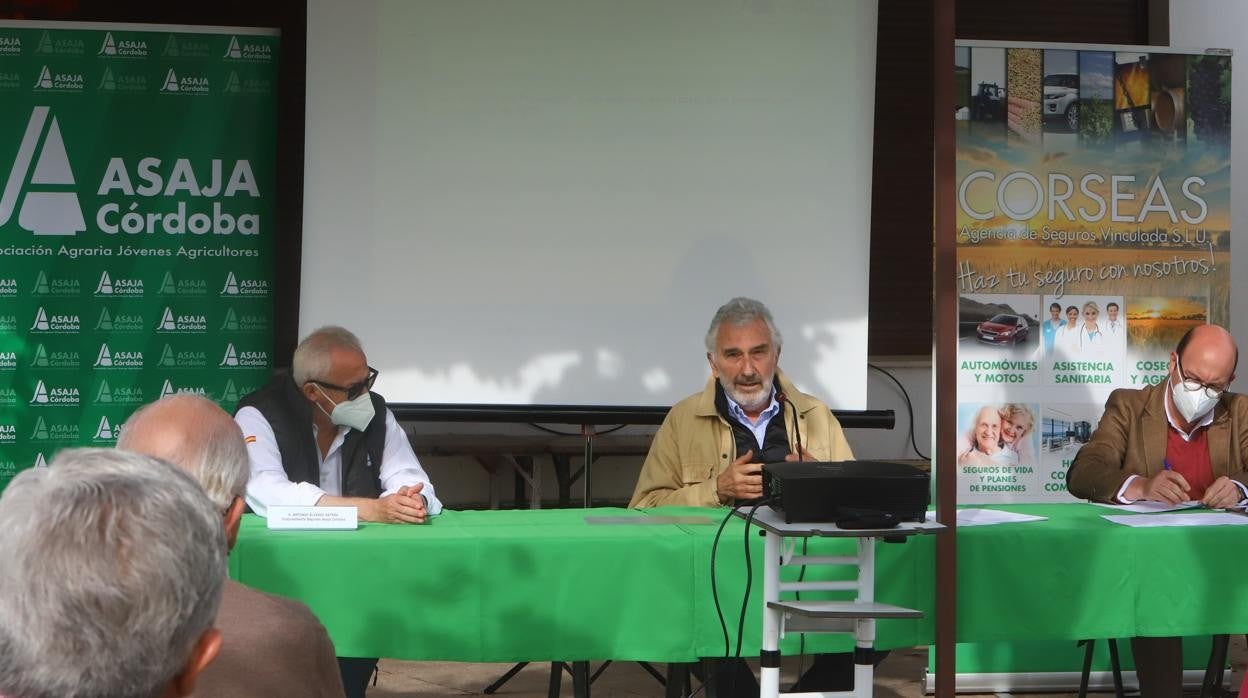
(1192, 404)
(355, 414)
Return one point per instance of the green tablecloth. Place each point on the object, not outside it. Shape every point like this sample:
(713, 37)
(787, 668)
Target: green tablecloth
(537, 585)
(542, 585)
(1079, 576)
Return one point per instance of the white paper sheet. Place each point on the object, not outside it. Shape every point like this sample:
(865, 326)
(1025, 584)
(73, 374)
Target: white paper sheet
(988, 517)
(1146, 507)
(1209, 519)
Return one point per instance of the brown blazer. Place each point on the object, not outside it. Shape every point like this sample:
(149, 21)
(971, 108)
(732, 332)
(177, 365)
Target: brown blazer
(271, 647)
(1131, 440)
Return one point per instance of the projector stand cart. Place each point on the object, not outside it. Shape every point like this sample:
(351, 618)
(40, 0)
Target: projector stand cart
(855, 617)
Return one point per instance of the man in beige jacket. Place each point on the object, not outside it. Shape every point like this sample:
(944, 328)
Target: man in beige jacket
(711, 447)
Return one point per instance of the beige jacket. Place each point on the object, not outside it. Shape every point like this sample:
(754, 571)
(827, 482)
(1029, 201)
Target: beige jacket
(695, 445)
(1131, 440)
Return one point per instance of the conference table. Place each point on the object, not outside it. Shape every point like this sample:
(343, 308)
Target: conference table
(609, 583)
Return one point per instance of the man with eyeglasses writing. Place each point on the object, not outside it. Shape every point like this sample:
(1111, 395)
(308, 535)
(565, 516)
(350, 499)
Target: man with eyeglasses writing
(318, 435)
(1185, 439)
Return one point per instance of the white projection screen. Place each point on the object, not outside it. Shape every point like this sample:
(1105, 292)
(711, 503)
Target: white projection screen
(544, 201)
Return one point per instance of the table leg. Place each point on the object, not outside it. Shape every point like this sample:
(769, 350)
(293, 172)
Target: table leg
(580, 679)
(769, 676)
(588, 432)
(864, 650)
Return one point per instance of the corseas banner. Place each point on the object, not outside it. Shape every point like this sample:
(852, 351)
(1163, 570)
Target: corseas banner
(1093, 199)
(137, 167)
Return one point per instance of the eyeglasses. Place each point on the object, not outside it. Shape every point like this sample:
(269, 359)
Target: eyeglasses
(355, 389)
(1192, 385)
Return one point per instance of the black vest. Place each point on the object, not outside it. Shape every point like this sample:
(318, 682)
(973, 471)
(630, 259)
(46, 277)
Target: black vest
(775, 439)
(290, 415)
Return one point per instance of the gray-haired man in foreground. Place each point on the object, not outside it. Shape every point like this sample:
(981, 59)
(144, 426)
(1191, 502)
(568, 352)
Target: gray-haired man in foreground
(111, 567)
(273, 646)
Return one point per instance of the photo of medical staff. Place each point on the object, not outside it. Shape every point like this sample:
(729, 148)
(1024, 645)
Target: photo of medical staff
(1084, 328)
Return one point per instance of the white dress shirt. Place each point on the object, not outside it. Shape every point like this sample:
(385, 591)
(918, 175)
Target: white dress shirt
(759, 427)
(270, 486)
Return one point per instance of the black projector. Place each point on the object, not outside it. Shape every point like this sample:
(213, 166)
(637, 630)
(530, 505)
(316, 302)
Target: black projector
(862, 493)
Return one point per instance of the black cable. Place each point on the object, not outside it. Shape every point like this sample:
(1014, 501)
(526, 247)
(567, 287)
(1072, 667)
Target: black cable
(909, 408)
(723, 626)
(556, 432)
(749, 573)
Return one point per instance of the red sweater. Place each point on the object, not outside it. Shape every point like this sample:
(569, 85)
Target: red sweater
(1190, 459)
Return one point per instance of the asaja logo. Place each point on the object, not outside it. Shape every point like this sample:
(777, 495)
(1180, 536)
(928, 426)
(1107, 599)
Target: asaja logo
(43, 212)
(122, 82)
(55, 287)
(61, 46)
(248, 85)
(49, 81)
(169, 322)
(127, 323)
(248, 50)
(244, 322)
(54, 396)
(185, 85)
(131, 48)
(182, 287)
(10, 81)
(55, 431)
(8, 434)
(243, 359)
(233, 392)
(55, 359)
(127, 395)
(105, 431)
(185, 48)
(8, 323)
(40, 461)
(8, 360)
(118, 359)
(10, 46)
(170, 389)
(8, 288)
(8, 397)
(182, 359)
(54, 323)
(118, 287)
(246, 287)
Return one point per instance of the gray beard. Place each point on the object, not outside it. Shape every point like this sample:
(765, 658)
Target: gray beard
(763, 399)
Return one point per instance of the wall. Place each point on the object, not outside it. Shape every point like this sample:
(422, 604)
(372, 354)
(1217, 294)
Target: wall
(1198, 24)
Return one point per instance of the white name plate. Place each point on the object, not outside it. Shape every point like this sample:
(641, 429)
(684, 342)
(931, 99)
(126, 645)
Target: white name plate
(314, 518)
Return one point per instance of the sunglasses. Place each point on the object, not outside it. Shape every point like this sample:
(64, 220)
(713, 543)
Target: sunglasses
(355, 389)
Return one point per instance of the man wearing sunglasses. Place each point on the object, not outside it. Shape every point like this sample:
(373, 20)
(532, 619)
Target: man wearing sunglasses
(1185, 439)
(319, 435)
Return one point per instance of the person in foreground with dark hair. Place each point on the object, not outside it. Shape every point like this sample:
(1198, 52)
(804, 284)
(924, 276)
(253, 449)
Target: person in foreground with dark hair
(1185, 439)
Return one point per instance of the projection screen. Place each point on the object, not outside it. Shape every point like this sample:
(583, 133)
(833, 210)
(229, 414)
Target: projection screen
(544, 201)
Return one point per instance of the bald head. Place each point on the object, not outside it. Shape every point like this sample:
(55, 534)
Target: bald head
(1207, 353)
(195, 434)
